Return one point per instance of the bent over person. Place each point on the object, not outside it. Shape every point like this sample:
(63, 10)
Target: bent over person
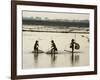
(53, 47)
(36, 45)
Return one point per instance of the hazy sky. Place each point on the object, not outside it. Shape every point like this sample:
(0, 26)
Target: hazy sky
(56, 15)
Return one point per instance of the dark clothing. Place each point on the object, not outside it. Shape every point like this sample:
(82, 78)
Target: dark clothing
(53, 47)
(72, 45)
(36, 45)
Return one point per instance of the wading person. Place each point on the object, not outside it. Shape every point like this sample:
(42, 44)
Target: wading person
(53, 47)
(72, 45)
(36, 46)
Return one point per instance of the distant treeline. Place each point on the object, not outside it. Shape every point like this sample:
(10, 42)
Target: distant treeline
(81, 23)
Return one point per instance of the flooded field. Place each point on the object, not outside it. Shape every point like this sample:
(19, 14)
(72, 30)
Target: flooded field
(64, 57)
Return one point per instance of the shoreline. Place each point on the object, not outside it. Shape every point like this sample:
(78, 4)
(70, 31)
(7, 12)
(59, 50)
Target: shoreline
(55, 31)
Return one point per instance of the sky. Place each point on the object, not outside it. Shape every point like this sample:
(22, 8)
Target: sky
(55, 15)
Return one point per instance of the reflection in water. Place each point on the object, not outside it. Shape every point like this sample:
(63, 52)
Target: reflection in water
(74, 59)
(64, 59)
(53, 59)
(36, 59)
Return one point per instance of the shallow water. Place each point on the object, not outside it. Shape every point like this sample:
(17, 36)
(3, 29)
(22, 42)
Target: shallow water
(62, 41)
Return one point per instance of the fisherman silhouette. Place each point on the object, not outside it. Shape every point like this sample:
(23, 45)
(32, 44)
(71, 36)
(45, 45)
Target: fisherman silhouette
(53, 47)
(36, 45)
(72, 45)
